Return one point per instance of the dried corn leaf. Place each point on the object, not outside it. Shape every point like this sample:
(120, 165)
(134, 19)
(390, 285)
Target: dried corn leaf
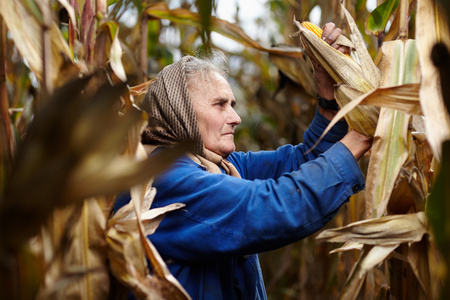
(363, 119)
(73, 245)
(117, 174)
(348, 246)
(354, 282)
(116, 58)
(129, 247)
(385, 231)
(142, 88)
(375, 256)
(124, 240)
(369, 258)
(411, 185)
(150, 219)
(26, 32)
(403, 98)
(165, 283)
(69, 153)
(418, 260)
(432, 27)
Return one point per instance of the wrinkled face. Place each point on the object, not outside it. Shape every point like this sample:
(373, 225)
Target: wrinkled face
(213, 103)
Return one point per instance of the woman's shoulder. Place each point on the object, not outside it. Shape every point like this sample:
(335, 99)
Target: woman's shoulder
(185, 159)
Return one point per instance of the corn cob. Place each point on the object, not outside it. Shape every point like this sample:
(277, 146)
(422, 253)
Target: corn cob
(316, 30)
(313, 28)
(346, 72)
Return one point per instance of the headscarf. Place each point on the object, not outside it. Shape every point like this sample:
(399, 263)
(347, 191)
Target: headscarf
(172, 117)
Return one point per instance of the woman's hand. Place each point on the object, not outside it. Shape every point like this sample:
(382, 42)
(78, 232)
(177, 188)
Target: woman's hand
(325, 84)
(357, 143)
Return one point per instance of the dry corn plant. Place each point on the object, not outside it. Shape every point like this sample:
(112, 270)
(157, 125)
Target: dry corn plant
(405, 151)
(79, 140)
(75, 149)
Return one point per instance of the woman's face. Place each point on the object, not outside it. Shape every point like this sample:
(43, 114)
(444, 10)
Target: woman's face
(213, 103)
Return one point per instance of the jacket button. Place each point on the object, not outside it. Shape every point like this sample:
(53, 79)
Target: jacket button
(356, 188)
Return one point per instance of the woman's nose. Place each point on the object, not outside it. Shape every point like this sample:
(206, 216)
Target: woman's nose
(234, 118)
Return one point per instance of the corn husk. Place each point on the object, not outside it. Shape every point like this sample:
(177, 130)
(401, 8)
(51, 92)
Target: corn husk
(340, 67)
(362, 77)
(386, 231)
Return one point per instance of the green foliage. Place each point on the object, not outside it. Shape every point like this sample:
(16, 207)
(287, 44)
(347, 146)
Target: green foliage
(205, 8)
(438, 210)
(138, 5)
(377, 20)
(111, 2)
(33, 8)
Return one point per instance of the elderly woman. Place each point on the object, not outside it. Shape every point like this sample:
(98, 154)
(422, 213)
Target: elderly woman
(239, 204)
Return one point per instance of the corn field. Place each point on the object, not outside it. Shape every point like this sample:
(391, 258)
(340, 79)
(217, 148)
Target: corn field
(73, 73)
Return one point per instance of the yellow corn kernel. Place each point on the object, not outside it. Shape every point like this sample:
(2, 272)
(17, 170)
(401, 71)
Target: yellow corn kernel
(313, 28)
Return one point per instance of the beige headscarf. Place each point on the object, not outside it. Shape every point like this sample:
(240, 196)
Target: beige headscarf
(172, 118)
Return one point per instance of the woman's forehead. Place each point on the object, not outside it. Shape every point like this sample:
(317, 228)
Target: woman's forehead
(210, 83)
(205, 91)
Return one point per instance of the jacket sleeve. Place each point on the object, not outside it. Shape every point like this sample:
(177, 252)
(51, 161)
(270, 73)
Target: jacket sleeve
(227, 217)
(272, 164)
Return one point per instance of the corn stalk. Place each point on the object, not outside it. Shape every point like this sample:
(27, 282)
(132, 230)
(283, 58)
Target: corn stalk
(73, 152)
(399, 175)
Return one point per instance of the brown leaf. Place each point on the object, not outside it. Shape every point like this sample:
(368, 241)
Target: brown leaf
(73, 251)
(385, 231)
(432, 27)
(129, 246)
(26, 32)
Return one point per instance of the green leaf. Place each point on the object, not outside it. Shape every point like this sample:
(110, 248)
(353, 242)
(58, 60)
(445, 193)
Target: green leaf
(111, 27)
(204, 8)
(360, 5)
(393, 141)
(438, 211)
(379, 17)
(111, 2)
(34, 10)
(138, 4)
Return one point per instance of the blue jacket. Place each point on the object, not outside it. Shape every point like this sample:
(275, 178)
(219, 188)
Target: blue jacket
(211, 245)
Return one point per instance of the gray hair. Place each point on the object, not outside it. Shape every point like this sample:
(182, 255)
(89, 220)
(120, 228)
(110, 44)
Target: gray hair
(205, 67)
